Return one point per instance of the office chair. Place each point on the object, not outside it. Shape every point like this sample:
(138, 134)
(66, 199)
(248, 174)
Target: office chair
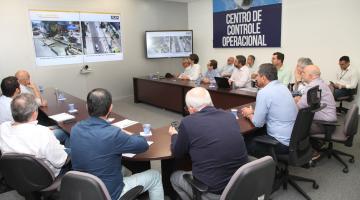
(348, 98)
(29, 176)
(340, 133)
(300, 150)
(251, 181)
(77, 185)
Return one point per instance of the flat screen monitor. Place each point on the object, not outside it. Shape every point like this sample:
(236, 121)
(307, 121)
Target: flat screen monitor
(169, 44)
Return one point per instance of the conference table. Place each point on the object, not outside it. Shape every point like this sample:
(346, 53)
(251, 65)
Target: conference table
(159, 150)
(169, 93)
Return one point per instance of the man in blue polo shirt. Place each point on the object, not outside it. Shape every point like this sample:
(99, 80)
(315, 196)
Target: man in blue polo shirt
(97, 147)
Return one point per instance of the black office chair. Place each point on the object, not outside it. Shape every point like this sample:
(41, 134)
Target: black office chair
(77, 185)
(251, 181)
(340, 132)
(28, 175)
(300, 150)
(348, 98)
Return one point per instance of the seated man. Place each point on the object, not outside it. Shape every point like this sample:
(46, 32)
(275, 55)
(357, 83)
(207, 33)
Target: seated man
(346, 79)
(211, 73)
(10, 88)
(227, 70)
(284, 73)
(311, 75)
(250, 62)
(212, 138)
(190, 72)
(275, 107)
(300, 84)
(97, 148)
(27, 86)
(27, 137)
(241, 74)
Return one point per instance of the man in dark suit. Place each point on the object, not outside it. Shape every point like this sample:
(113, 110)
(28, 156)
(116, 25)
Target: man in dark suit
(212, 138)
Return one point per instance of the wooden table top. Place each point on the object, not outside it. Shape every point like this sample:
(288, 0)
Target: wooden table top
(159, 150)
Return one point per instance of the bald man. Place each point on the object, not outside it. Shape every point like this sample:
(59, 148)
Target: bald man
(201, 134)
(227, 70)
(311, 76)
(27, 86)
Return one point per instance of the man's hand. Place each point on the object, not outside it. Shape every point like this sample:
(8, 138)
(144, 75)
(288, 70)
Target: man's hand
(44, 103)
(339, 86)
(297, 99)
(172, 130)
(247, 111)
(206, 80)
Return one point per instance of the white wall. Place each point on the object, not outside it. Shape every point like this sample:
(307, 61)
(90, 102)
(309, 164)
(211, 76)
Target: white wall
(17, 51)
(323, 30)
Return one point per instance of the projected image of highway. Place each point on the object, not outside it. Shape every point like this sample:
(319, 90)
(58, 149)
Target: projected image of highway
(56, 38)
(101, 37)
(180, 44)
(159, 45)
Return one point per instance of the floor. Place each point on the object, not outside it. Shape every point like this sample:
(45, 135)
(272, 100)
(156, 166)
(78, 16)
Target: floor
(334, 184)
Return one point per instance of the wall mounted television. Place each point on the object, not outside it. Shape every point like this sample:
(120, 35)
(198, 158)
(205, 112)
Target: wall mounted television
(169, 44)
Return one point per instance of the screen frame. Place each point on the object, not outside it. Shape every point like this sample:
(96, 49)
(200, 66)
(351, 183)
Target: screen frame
(160, 31)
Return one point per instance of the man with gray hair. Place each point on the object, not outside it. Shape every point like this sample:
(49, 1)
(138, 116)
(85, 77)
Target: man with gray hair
(25, 136)
(311, 76)
(300, 84)
(202, 134)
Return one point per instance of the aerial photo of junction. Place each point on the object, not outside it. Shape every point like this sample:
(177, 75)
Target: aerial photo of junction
(56, 38)
(180, 44)
(101, 37)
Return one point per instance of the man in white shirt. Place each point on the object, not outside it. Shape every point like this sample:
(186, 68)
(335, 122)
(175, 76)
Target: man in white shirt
(346, 79)
(10, 88)
(250, 62)
(27, 86)
(25, 136)
(192, 69)
(227, 70)
(284, 73)
(241, 74)
(300, 84)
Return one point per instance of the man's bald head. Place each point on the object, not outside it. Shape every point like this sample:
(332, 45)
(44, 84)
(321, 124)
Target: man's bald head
(23, 77)
(198, 98)
(230, 60)
(311, 72)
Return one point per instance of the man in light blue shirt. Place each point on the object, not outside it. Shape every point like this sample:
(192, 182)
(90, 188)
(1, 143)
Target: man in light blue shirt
(228, 69)
(275, 107)
(211, 73)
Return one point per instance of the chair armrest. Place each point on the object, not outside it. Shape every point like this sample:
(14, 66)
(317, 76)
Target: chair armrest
(133, 193)
(195, 184)
(326, 123)
(264, 139)
(322, 106)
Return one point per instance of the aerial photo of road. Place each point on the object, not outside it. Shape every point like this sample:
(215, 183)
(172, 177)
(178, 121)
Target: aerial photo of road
(101, 37)
(180, 44)
(56, 38)
(159, 44)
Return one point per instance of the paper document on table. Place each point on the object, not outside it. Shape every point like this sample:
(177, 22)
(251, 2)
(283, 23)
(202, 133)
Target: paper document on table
(124, 123)
(249, 89)
(130, 155)
(62, 117)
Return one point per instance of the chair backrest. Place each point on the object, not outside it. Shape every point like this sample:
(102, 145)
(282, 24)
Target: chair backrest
(351, 121)
(300, 150)
(25, 173)
(251, 181)
(314, 97)
(77, 185)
